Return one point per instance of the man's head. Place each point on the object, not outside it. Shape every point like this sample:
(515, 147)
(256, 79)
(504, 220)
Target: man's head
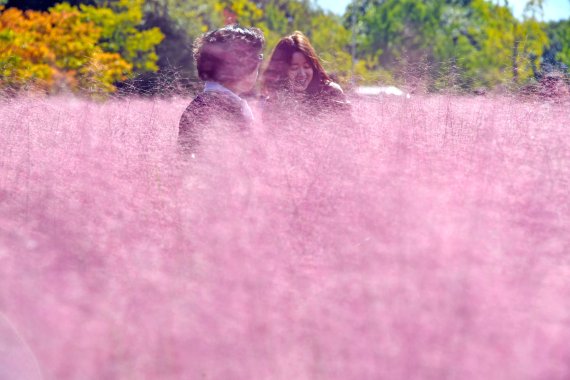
(230, 55)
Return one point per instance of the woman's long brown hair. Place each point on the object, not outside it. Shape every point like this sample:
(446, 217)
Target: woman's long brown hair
(275, 77)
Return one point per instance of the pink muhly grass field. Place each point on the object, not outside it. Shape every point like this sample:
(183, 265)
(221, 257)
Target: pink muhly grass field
(428, 240)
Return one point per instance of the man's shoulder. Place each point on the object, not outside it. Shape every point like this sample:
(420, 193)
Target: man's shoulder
(217, 101)
(211, 106)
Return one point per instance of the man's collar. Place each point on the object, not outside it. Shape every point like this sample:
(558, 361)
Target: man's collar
(212, 86)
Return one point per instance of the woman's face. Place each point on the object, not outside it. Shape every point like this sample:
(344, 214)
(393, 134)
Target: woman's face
(300, 72)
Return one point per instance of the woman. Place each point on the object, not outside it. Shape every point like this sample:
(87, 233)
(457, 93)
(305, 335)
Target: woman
(228, 61)
(296, 78)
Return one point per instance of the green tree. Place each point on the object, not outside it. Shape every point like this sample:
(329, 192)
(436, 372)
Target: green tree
(557, 54)
(395, 30)
(331, 40)
(451, 43)
(180, 21)
(120, 22)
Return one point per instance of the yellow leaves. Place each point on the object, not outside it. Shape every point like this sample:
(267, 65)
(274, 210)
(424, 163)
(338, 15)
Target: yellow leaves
(98, 76)
(119, 26)
(496, 49)
(246, 12)
(55, 51)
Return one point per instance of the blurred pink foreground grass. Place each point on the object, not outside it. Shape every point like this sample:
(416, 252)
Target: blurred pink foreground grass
(430, 240)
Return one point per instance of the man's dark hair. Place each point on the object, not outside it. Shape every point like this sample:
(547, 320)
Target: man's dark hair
(227, 54)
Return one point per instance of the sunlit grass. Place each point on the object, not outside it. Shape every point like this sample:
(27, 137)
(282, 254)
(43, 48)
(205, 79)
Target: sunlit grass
(426, 240)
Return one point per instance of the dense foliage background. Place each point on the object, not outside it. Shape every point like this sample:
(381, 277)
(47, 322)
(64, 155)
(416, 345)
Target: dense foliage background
(98, 46)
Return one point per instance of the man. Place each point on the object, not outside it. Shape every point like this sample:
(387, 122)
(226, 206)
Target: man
(228, 60)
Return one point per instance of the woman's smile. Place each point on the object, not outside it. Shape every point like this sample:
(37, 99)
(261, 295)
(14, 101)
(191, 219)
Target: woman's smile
(300, 72)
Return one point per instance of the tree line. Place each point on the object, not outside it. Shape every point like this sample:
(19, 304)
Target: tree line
(145, 46)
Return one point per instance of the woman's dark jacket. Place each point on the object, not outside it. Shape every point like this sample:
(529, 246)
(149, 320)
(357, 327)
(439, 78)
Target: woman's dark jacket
(329, 103)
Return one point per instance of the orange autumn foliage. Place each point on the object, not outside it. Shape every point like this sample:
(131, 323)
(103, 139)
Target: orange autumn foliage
(55, 51)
